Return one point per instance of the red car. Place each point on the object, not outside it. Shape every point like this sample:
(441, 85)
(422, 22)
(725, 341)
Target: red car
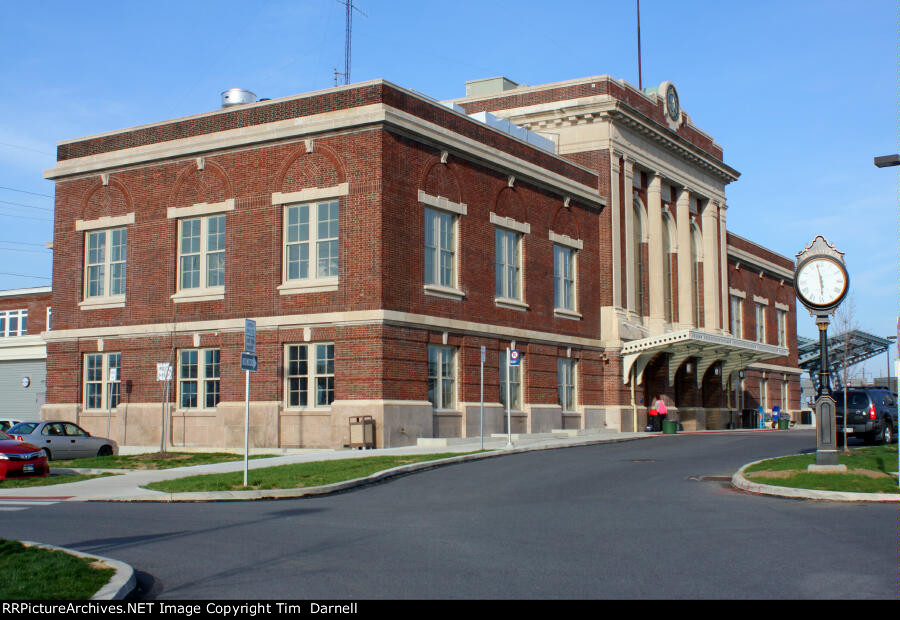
(20, 460)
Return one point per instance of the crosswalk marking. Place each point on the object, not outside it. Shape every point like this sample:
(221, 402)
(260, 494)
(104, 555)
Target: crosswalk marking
(15, 504)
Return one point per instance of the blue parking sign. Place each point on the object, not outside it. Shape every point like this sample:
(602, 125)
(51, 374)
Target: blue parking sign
(514, 357)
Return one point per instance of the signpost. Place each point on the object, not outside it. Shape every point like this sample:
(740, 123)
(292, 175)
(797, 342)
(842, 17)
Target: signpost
(512, 359)
(163, 373)
(482, 395)
(248, 364)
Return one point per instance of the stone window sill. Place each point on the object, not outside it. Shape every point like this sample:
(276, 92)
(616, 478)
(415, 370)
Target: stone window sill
(567, 314)
(99, 303)
(444, 291)
(199, 294)
(512, 304)
(320, 285)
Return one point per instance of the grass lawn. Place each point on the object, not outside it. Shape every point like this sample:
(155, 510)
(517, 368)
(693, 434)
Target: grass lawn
(869, 470)
(31, 574)
(295, 476)
(155, 460)
(16, 483)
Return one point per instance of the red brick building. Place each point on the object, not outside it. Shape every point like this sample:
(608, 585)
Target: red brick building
(380, 239)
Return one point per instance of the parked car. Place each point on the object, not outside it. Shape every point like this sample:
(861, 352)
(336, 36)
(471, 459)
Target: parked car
(872, 414)
(7, 423)
(63, 440)
(19, 459)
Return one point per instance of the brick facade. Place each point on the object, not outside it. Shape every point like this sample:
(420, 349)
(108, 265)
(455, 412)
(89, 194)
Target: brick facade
(394, 156)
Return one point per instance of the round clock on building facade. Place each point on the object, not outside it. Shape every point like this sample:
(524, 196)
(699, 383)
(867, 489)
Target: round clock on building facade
(822, 282)
(672, 102)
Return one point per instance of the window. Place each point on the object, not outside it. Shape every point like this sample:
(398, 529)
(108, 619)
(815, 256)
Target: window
(695, 275)
(564, 277)
(781, 316)
(102, 380)
(507, 264)
(737, 327)
(668, 298)
(13, 323)
(440, 248)
(311, 242)
(309, 375)
(442, 377)
(201, 253)
(198, 378)
(515, 384)
(638, 257)
(784, 395)
(760, 323)
(565, 377)
(764, 393)
(105, 259)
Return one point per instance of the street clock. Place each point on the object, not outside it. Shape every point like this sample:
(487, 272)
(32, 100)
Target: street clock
(821, 279)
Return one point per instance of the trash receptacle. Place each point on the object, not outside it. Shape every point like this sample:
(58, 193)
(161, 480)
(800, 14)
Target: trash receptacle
(670, 427)
(783, 424)
(362, 432)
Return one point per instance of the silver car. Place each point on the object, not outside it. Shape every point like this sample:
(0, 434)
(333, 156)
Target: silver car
(62, 440)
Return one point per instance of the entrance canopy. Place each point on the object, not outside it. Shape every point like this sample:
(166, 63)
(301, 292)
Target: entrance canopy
(705, 347)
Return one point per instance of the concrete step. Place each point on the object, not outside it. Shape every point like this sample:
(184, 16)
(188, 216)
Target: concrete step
(442, 442)
(521, 436)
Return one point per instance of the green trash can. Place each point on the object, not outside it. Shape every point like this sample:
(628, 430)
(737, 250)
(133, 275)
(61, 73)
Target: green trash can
(670, 427)
(783, 424)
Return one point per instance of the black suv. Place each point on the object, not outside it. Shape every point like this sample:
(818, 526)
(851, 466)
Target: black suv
(873, 414)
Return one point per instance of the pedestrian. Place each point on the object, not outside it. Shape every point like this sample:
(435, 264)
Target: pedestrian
(661, 411)
(653, 417)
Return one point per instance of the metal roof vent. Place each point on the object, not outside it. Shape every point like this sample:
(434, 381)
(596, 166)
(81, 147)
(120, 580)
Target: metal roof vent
(237, 96)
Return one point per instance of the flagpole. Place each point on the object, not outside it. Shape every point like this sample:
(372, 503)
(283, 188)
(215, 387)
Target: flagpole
(640, 78)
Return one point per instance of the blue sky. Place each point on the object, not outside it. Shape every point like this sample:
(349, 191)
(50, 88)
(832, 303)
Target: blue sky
(801, 95)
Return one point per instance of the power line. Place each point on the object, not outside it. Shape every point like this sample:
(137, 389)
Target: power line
(19, 204)
(22, 275)
(22, 191)
(25, 148)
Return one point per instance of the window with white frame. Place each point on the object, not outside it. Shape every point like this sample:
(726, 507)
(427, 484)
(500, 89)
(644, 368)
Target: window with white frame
(309, 375)
(105, 258)
(565, 379)
(198, 378)
(13, 323)
(201, 253)
(764, 393)
(784, 395)
(564, 277)
(760, 323)
(440, 248)
(515, 383)
(442, 376)
(695, 276)
(311, 242)
(781, 316)
(737, 324)
(102, 380)
(508, 261)
(668, 297)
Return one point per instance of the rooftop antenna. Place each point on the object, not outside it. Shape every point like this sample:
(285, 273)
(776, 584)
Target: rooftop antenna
(348, 33)
(640, 80)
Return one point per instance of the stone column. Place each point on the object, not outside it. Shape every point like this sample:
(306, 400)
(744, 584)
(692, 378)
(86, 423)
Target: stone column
(655, 224)
(711, 273)
(615, 233)
(683, 223)
(723, 266)
(628, 199)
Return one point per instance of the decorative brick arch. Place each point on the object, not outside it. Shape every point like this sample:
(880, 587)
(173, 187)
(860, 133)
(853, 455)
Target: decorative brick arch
(319, 168)
(440, 180)
(564, 222)
(193, 185)
(106, 200)
(508, 203)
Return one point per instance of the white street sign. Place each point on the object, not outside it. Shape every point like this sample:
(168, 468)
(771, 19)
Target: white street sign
(163, 371)
(250, 336)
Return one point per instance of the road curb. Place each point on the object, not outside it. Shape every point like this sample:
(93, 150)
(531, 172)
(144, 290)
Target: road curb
(338, 487)
(739, 481)
(122, 584)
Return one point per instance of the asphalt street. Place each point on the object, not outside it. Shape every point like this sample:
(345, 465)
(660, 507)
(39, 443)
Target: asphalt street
(645, 519)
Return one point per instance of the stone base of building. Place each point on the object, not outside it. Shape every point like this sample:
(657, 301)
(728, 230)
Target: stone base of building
(397, 423)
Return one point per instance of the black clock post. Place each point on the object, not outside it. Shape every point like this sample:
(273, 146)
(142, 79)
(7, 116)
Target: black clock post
(821, 282)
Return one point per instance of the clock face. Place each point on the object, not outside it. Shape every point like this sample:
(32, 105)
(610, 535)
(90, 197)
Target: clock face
(821, 282)
(672, 102)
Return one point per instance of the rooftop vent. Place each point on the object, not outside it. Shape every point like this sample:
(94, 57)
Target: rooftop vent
(488, 86)
(237, 96)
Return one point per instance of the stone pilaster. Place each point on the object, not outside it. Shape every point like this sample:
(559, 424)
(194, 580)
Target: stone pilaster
(656, 267)
(615, 234)
(683, 224)
(711, 272)
(628, 171)
(723, 267)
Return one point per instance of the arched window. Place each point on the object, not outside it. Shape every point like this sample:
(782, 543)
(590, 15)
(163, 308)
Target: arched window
(638, 256)
(668, 299)
(696, 261)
